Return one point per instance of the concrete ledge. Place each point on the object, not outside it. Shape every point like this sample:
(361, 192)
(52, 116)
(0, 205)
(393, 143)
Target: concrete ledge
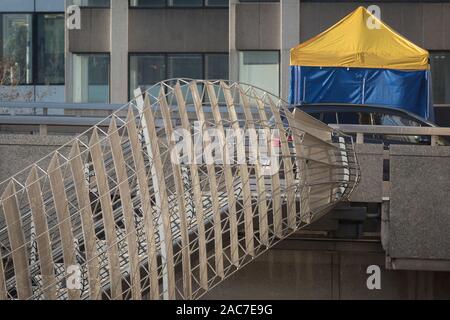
(419, 151)
(33, 140)
(370, 187)
(419, 214)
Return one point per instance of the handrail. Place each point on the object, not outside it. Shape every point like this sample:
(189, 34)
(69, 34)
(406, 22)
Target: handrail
(44, 120)
(392, 130)
(60, 105)
(360, 130)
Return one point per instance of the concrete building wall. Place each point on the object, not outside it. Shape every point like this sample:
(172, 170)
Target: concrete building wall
(425, 24)
(19, 151)
(370, 186)
(178, 30)
(119, 51)
(306, 269)
(418, 216)
(257, 26)
(94, 35)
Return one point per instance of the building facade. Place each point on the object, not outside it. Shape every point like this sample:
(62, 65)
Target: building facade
(123, 44)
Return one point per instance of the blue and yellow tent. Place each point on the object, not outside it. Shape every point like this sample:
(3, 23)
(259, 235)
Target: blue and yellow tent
(353, 63)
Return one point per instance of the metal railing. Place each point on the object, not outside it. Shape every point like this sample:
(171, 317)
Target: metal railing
(45, 115)
(360, 130)
(48, 114)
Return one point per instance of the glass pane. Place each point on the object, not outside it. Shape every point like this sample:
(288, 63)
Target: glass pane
(260, 69)
(185, 66)
(216, 66)
(348, 118)
(440, 73)
(91, 78)
(329, 117)
(147, 3)
(146, 70)
(91, 3)
(393, 120)
(50, 48)
(216, 3)
(16, 50)
(186, 3)
(315, 115)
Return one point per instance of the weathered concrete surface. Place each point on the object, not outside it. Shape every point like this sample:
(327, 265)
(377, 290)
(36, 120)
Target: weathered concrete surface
(178, 30)
(19, 151)
(425, 24)
(370, 187)
(300, 269)
(94, 35)
(257, 26)
(419, 214)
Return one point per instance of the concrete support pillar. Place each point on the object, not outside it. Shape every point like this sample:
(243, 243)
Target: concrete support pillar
(233, 53)
(119, 52)
(289, 37)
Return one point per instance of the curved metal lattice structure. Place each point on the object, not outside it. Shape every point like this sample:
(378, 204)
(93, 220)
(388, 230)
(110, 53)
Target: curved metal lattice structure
(135, 211)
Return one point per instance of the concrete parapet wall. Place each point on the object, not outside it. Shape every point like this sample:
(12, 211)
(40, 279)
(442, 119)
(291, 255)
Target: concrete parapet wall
(19, 151)
(305, 269)
(370, 187)
(418, 217)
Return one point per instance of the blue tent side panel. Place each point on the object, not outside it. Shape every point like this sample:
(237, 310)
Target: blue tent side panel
(408, 90)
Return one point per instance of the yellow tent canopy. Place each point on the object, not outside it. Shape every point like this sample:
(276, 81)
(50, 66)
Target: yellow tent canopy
(351, 43)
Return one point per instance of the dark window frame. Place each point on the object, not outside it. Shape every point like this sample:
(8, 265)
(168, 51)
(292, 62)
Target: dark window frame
(166, 62)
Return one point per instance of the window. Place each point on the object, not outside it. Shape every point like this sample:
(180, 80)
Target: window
(382, 119)
(216, 66)
(329, 117)
(91, 78)
(147, 3)
(260, 69)
(148, 69)
(217, 3)
(259, 0)
(50, 49)
(348, 117)
(185, 3)
(185, 66)
(16, 48)
(91, 3)
(178, 3)
(440, 73)
(32, 55)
